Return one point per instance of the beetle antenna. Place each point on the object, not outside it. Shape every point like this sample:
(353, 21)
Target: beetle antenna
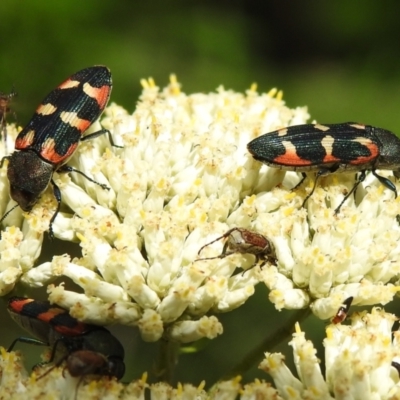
(6, 214)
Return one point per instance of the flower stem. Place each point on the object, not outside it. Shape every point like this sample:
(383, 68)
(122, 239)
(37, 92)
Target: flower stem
(167, 360)
(257, 353)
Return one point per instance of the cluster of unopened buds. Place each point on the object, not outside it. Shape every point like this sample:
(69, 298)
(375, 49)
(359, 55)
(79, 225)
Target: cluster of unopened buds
(180, 209)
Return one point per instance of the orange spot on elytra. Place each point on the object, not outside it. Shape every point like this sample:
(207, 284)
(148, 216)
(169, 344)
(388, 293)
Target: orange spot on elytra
(50, 314)
(82, 124)
(18, 305)
(24, 141)
(77, 329)
(329, 158)
(49, 153)
(291, 158)
(69, 84)
(99, 94)
(374, 150)
(71, 118)
(46, 109)
(361, 160)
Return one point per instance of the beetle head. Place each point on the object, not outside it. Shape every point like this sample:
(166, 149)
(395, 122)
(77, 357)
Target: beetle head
(29, 177)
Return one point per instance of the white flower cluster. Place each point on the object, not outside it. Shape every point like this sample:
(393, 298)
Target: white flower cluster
(16, 385)
(183, 177)
(361, 362)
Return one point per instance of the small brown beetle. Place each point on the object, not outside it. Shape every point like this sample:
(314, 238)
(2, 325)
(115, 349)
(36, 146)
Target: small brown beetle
(243, 241)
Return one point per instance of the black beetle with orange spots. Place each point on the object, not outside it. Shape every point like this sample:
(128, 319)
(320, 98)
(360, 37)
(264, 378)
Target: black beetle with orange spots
(329, 148)
(53, 326)
(52, 136)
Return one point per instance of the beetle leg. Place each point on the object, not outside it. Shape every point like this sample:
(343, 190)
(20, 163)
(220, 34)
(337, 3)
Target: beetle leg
(353, 189)
(386, 182)
(67, 168)
(321, 172)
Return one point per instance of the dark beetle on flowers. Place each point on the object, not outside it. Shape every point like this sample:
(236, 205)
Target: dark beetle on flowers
(52, 136)
(328, 148)
(99, 352)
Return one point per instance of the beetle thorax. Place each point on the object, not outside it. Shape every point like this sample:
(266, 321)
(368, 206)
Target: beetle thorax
(389, 157)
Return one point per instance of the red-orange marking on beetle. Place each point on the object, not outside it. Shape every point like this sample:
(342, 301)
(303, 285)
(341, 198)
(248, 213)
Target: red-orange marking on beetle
(50, 314)
(25, 141)
(291, 158)
(69, 84)
(99, 94)
(17, 306)
(372, 147)
(77, 330)
(49, 153)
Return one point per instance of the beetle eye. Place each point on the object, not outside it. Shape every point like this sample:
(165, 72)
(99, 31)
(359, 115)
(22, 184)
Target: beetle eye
(116, 367)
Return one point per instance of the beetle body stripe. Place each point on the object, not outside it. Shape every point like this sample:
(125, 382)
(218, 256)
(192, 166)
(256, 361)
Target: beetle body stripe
(57, 317)
(65, 114)
(346, 146)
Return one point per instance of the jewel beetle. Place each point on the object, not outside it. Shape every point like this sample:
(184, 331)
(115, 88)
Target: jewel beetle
(54, 326)
(328, 148)
(244, 241)
(51, 137)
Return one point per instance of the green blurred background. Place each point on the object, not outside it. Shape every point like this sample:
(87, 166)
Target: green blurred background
(338, 58)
